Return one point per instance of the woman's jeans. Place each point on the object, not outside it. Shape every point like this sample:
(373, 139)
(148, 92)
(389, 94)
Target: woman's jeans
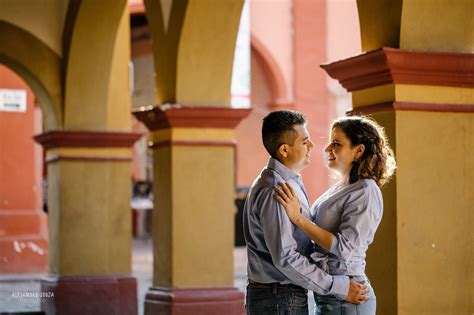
(331, 305)
(275, 298)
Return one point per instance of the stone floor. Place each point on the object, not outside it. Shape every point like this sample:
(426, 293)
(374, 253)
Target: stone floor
(17, 292)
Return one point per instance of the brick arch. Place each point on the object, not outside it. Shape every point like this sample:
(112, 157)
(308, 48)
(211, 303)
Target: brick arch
(273, 72)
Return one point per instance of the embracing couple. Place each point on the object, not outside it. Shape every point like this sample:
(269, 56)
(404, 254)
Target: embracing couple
(294, 246)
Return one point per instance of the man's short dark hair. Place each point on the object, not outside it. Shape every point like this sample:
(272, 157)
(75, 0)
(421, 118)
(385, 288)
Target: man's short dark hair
(278, 129)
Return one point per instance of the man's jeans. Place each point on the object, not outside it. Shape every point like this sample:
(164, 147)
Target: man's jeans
(331, 305)
(276, 299)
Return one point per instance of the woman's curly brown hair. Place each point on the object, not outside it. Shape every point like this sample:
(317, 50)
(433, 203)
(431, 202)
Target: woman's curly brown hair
(378, 160)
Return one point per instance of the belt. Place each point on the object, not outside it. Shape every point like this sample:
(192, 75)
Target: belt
(273, 285)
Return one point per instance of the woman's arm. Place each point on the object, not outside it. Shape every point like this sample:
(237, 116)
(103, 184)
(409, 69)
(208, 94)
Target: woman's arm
(287, 197)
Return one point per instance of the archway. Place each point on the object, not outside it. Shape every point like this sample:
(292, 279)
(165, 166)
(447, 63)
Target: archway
(280, 97)
(38, 65)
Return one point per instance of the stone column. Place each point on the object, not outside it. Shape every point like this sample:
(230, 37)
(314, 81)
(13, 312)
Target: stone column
(89, 223)
(423, 248)
(193, 228)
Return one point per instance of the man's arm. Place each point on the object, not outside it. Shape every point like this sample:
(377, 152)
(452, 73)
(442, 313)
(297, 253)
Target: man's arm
(289, 200)
(278, 234)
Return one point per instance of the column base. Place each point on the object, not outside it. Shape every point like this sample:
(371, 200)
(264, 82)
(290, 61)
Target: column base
(229, 301)
(111, 294)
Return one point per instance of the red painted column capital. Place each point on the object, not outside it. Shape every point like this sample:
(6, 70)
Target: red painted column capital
(404, 67)
(86, 139)
(62, 140)
(165, 116)
(392, 65)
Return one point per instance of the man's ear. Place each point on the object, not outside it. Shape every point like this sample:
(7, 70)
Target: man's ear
(360, 149)
(283, 150)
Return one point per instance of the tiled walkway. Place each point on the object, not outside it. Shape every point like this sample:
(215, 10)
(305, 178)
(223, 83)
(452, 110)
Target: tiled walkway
(12, 286)
(142, 264)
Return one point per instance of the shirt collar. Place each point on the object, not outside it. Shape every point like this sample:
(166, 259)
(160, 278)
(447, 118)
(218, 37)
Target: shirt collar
(281, 169)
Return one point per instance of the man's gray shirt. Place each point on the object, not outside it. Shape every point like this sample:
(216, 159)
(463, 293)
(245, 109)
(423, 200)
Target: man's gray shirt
(277, 250)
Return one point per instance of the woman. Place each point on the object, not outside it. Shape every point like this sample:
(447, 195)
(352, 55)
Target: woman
(346, 216)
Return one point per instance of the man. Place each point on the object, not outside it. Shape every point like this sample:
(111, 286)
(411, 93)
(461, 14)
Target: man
(278, 269)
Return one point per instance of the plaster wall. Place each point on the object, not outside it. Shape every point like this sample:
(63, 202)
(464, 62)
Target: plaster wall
(144, 81)
(413, 93)
(201, 256)
(162, 262)
(435, 212)
(380, 23)
(38, 65)
(204, 71)
(97, 81)
(343, 41)
(426, 233)
(438, 26)
(143, 94)
(89, 235)
(119, 99)
(22, 190)
(311, 94)
(382, 260)
(271, 24)
(23, 243)
(47, 26)
(251, 155)
(196, 205)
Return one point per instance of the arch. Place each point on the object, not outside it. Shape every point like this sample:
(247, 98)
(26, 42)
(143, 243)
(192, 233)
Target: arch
(96, 78)
(38, 65)
(38, 89)
(165, 45)
(379, 23)
(204, 71)
(272, 70)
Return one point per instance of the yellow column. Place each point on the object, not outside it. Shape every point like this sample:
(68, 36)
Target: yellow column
(89, 166)
(193, 221)
(193, 46)
(185, 159)
(193, 162)
(89, 222)
(425, 101)
(75, 56)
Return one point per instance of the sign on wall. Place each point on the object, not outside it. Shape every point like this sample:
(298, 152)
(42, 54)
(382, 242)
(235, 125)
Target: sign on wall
(12, 100)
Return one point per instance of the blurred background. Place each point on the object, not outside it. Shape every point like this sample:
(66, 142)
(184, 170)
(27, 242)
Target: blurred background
(130, 135)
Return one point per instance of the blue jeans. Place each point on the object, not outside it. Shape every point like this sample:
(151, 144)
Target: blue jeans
(276, 299)
(331, 305)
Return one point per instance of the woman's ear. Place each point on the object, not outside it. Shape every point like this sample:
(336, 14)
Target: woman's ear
(360, 149)
(283, 150)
